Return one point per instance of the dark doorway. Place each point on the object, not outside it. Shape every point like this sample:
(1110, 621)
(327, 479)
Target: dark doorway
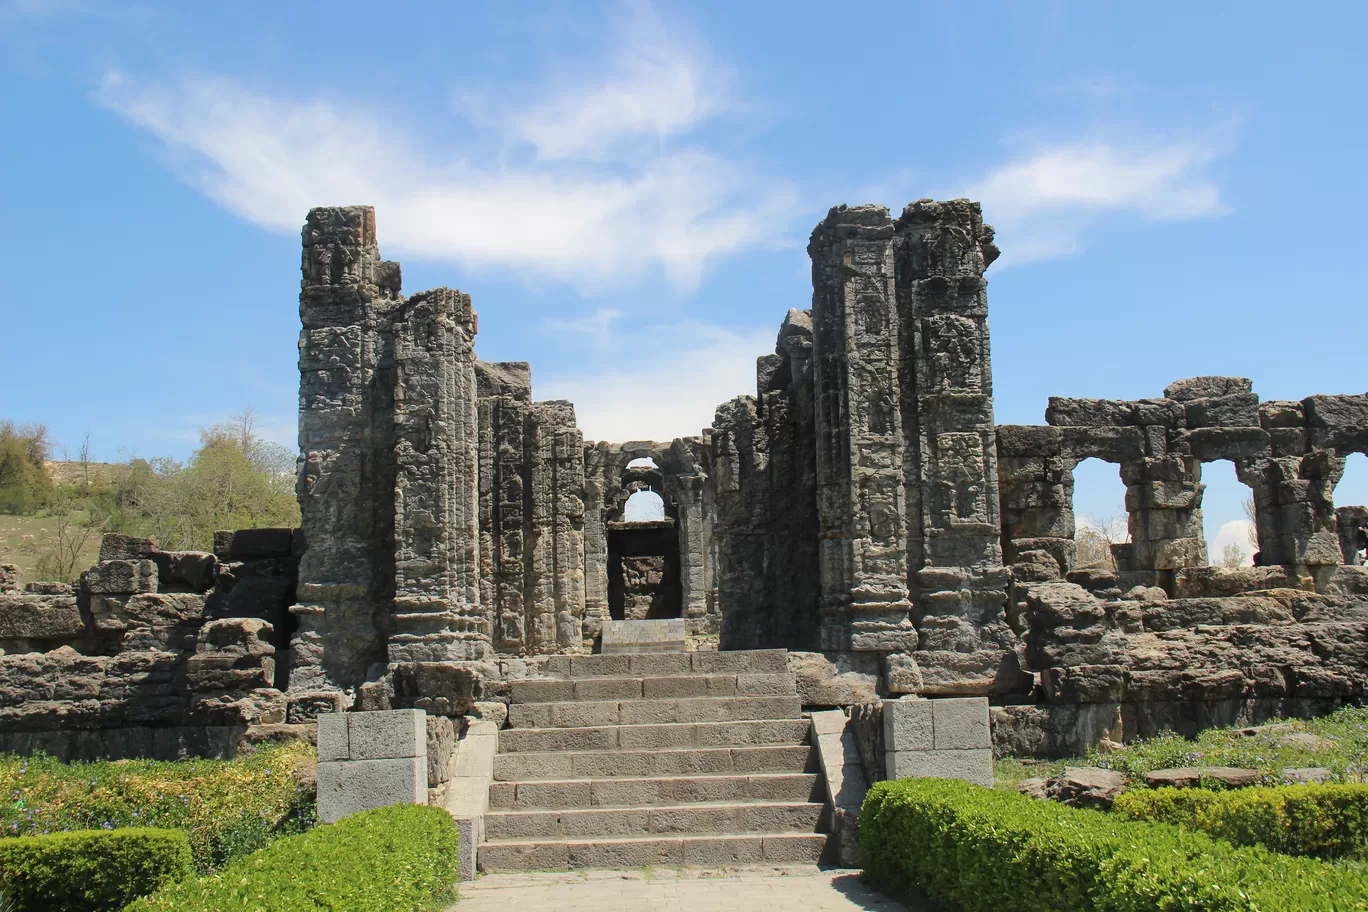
(643, 570)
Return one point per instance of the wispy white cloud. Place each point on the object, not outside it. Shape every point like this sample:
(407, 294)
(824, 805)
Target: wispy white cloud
(591, 208)
(658, 381)
(661, 83)
(1043, 201)
(1234, 533)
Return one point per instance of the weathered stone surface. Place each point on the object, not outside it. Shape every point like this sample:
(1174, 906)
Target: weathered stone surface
(1183, 777)
(9, 578)
(1231, 776)
(253, 544)
(821, 683)
(121, 577)
(116, 546)
(1086, 786)
(441, 688)
(39, 617)
(191, 571)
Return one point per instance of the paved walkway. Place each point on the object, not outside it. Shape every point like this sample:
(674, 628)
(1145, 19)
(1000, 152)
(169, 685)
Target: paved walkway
(767, 889)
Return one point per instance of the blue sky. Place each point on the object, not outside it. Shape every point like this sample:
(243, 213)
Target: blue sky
(627, 189)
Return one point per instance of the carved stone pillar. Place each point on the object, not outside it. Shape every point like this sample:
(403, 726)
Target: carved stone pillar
(437, 610)
(346, 475)
(861, 496)
(949, 456)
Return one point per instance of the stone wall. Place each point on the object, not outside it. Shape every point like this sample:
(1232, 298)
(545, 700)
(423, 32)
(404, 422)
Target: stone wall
(151, 653)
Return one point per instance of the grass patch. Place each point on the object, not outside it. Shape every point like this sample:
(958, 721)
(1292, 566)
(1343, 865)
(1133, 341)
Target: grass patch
(227, 808)
(16, 530)
(1342, 749)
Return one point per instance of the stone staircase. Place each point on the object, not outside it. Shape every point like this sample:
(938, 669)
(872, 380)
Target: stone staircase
(666, 759)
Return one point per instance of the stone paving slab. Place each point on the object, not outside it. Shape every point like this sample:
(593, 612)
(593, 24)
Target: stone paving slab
(804, 887)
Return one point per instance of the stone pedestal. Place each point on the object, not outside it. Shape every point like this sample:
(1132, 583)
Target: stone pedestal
(370, 760)
(943, 739)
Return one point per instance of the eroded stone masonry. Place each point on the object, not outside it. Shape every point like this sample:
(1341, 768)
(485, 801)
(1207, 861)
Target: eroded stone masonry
(862, 510)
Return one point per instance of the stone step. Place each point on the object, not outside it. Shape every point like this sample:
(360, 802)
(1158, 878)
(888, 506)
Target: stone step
(648, 737)
(674, 762)
(652, 712)
(617, 853)
(748, 661)
(549, 794)
(562, 690)
(751, 817)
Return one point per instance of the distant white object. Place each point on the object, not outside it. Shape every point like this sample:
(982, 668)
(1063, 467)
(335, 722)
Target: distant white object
(643, 462)
(643, 506)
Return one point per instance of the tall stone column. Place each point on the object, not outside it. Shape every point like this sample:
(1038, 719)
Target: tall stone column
(949, 456)
(686, 483)
(861, 496)
(597, 457)
(740, 458)
(345, 479)
(437, 610)
(555, 586)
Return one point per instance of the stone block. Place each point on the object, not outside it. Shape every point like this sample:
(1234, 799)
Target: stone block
(116, 546)
(1111, 444)
(960, 723)
(346, 787)
(382, 735)
(236, 636)
(1206, 387)
(187, 570)
(207, 673)
(121, 577)
(332, 737)
(441, 749)
(1066, 412)
(908, 725)
(39, 617)
(253, 544)
(975, 765)
(306, 706)
(1234, 410)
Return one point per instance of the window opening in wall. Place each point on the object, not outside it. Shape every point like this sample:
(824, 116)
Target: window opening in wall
(1351, 509)
(1227, 517)
(1099, 504)
(644, 506)
(643, 462)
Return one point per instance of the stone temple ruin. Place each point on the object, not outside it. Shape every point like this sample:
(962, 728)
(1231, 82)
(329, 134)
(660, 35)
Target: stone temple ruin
(463, 546)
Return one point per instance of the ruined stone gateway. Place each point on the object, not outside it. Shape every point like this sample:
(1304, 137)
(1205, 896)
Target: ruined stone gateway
(862, 510)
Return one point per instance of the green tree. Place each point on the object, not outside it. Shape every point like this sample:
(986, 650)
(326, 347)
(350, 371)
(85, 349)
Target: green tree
(24, 482)
(235, 480)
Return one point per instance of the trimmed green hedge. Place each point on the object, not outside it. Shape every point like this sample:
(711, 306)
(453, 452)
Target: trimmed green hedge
(91, 870)
(982, 850)
(1324, 821)
(394, 859)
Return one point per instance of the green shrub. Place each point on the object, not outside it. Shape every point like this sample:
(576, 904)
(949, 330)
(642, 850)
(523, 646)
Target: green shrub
(90, 871)
(979, 850)
(394, 859)
(226, 807)
(1325, 821)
